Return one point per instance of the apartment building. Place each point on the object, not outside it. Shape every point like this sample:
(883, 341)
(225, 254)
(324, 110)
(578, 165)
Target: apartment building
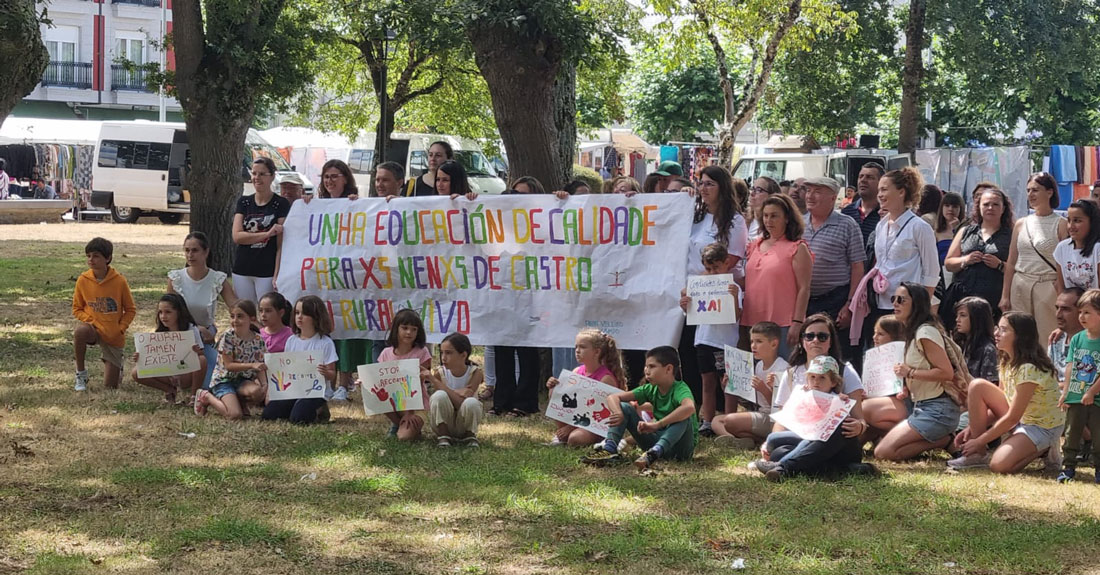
(85, 79)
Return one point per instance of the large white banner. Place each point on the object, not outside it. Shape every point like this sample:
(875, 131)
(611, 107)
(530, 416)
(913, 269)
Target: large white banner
(505, 270)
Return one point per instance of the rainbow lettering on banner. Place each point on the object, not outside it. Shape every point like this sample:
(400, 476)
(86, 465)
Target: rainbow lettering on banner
(391, 386)
(501, 269)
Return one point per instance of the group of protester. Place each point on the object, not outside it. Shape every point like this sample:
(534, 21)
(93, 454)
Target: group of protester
(974, 299)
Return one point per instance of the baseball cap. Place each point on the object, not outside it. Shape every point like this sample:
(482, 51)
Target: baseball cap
(669, 168)
(823, 364)
(291, 178)
(823, 181)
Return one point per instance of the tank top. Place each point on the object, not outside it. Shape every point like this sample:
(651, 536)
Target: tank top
(770, 286)
(1043, 232)
(201, 296)
(455, 383)
(599, 374)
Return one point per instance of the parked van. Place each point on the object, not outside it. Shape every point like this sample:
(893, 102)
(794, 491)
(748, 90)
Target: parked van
(141, 168)
(411, 151)
(841, 165)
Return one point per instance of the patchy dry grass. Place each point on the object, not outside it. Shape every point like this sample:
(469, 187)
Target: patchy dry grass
(105, 482)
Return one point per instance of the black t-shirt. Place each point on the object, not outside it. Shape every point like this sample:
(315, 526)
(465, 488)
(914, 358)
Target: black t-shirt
(423, 189)
(258, 260)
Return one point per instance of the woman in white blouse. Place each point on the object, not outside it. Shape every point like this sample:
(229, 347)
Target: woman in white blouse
(905, 245)
(200, 287)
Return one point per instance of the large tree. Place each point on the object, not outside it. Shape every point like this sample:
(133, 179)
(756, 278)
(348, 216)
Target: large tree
(762, 29)
(527, 51)
(673, 99)
(23, 56)
(842, 82)
(231, 56)
(912, 73)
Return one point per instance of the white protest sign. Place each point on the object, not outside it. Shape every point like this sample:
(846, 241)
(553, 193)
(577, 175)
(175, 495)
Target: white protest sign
(504, 270)
(581, 402)
(391, 386)
(294, 375)
(813, 415)
(166, 353)
(711, 301)
(878, 369)
(740, 369)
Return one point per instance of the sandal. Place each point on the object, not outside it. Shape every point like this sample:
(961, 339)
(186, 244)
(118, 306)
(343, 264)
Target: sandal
(485, 394)
(517, 413)
(493, 411)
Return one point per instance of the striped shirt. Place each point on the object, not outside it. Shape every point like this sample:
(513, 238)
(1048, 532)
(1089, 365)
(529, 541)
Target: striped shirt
(837, 245)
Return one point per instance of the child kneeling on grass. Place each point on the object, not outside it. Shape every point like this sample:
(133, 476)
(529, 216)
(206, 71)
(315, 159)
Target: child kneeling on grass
(674, 429)
(103, 305)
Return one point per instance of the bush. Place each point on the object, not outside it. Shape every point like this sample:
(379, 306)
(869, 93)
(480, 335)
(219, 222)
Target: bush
(588, 176)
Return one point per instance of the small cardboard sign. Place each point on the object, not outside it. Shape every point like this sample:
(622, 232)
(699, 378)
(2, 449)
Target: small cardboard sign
(813, 415)
(878, 369)
(711, 302)
(581, 402)
(166, 353)
(391, 386)
(294, 375)
(739, 371)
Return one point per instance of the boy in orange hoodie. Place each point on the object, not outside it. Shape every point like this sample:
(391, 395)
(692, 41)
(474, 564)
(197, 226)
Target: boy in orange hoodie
(105, 308)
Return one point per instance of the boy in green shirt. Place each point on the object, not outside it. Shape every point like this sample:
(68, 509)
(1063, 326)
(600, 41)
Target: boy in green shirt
(674, 428)
(1081, 385)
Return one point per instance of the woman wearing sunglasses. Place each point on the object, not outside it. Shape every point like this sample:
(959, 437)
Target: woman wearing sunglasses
(925, 412)
(818, 337)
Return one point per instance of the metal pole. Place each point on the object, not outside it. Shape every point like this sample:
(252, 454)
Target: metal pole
(383, 102)
(163, 54)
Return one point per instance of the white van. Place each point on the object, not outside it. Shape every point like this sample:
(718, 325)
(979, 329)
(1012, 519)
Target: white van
(141, 169)
(411, 151)
(841, 165)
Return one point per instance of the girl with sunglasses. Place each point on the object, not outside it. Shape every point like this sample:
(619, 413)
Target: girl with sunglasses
(818, 337)
(927, 372)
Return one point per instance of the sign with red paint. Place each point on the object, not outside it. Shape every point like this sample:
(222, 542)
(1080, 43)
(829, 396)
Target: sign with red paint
(294, 375)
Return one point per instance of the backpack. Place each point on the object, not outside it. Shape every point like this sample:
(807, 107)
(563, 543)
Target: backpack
(956, 388)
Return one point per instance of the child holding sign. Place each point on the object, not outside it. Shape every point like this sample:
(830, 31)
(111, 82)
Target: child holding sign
(172, 315)
(240, 360)
(407, 340)
(790, 454)
(710, 339)
(745, 430)
(673, 430)
(599, 359)
(454, 410)
(312, 324)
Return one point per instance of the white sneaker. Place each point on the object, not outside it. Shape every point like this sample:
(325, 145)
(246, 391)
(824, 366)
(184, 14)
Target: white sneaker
(624, 445)
(341, 394)
(555, 442)
(443, 441)
(81, 381)
(970, 461)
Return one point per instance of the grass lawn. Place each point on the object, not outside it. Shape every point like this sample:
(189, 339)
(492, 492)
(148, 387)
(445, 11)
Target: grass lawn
(106, 482)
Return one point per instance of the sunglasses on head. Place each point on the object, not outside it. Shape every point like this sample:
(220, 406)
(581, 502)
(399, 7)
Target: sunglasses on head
(822, 336)
(899, 299)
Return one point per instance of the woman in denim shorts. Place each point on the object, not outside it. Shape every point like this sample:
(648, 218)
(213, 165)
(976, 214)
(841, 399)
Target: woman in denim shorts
(926, 370)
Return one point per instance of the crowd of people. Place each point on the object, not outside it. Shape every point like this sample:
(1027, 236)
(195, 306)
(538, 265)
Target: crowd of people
(1000, 320)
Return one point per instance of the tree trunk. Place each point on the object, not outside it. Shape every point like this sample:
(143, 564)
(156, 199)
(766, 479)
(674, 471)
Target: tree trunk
(911, 78)
(565, 118)
(754, 86)
(520, 73)
(218, 116)
(23, 56)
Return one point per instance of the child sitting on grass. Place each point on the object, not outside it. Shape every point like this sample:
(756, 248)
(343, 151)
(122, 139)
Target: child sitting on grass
(105, 308)
(789, 454)
(454, 411)
(240, 361)
(172, 315)
(599, 359)
(745, 430)
(673, 431)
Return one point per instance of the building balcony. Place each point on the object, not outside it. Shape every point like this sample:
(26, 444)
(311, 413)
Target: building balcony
(149, 3)
(125, 79)
(68, 75)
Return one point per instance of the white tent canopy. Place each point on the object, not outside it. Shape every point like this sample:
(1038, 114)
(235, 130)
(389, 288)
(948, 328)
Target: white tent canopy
(40, 131)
